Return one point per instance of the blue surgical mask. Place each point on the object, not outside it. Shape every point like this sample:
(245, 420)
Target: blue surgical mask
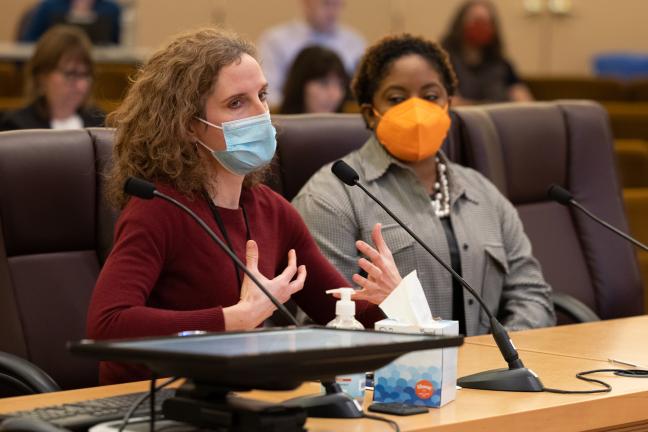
(250, 143)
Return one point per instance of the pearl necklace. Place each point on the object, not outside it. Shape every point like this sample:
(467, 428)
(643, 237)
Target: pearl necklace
(441, 196)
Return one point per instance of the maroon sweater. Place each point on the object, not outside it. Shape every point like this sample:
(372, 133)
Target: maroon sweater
(165, 275)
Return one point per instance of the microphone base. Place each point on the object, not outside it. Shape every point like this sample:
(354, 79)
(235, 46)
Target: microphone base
(337, 405)
(517, 380)
(334, 404)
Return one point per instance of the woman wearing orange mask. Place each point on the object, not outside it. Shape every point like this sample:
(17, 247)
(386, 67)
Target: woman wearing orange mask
(404, 86)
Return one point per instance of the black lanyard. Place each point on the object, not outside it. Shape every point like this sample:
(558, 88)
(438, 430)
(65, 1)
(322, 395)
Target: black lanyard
(221, 226)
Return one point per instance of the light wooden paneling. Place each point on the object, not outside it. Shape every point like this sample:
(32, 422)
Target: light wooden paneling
(539, 44)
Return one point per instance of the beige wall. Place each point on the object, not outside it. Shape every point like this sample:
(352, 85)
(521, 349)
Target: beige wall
(597, 25)
(538, 44)
(10, 13)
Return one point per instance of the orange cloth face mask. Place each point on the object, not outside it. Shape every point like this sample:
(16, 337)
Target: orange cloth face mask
(413, 130)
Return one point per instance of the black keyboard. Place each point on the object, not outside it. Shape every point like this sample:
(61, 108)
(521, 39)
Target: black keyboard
(80, 416)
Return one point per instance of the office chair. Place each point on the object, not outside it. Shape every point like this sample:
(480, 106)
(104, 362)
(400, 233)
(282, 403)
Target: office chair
(19, 377)
(524, 148)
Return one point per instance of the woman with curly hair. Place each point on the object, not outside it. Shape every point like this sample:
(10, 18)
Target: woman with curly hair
(196, 123)
(404, 86)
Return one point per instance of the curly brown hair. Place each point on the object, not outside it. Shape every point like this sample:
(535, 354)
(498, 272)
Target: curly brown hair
(378, 57)
(152, 138)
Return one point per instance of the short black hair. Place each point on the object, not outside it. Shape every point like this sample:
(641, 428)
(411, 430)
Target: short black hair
(312, 63)
(378, 57)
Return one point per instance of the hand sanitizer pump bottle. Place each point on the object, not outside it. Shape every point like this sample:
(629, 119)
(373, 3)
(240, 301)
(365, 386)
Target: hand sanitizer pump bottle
(344, 310)
(353, 385)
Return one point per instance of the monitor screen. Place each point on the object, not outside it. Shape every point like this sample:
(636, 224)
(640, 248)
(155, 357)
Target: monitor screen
(271, 342)
(265, 358)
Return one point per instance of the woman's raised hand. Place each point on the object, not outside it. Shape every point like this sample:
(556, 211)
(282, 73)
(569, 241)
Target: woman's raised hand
(382, 274)
(254, 306)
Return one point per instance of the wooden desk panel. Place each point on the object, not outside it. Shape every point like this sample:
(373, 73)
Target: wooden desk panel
(621, 339)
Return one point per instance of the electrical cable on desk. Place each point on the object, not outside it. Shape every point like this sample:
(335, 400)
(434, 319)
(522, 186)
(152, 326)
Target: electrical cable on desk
(392, 423)
(632, 373)
(143, 398)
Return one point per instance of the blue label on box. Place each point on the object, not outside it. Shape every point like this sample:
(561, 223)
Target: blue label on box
(412, 385)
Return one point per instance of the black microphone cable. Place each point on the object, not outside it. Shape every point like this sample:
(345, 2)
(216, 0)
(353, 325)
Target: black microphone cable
(581, 376)
(150, 395)
(629, 373)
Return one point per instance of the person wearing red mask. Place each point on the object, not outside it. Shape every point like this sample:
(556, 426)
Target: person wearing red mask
(404, 86)
(474, 43)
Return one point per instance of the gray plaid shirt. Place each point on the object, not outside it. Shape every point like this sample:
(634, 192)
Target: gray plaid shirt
(496, 257)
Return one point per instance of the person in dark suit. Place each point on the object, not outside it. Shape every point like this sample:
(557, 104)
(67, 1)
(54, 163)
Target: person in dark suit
(100, 19)
(58, 85)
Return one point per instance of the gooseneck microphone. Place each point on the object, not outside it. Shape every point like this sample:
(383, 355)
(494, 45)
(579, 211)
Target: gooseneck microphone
(516, 377)
(564, 197)
(146, 190)
(334, 403)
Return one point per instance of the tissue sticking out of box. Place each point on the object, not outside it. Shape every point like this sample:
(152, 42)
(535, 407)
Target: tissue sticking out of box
(407, 303)
(426, 377)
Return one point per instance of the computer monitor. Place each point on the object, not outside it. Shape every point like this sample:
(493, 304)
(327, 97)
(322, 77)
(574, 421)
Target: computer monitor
(277, 359)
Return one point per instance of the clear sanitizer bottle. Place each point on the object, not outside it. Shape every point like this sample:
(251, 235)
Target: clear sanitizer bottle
(353, 385)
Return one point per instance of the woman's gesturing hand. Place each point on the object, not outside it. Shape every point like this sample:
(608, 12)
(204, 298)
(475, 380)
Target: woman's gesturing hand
(254, 306)
(382, 274)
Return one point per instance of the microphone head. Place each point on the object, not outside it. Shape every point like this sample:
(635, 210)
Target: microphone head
(139, 188)
(344, 172)
(559, 194)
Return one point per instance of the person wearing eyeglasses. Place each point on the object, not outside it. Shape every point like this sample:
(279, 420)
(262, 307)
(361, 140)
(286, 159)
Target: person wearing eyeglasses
(99, 19)
(59, 80)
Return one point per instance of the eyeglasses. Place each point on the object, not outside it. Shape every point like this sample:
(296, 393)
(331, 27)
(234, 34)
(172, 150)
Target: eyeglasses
(73, 75)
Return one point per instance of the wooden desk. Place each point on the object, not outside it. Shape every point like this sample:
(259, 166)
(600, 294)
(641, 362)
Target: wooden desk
(620, 339)
(626, 405)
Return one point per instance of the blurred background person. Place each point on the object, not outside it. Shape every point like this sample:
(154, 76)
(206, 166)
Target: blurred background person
(279, 46)
(474, 42)
(100, 19)
(58, 84)
(317, 83)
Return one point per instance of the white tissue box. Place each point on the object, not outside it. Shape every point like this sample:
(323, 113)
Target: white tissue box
(427, 377)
